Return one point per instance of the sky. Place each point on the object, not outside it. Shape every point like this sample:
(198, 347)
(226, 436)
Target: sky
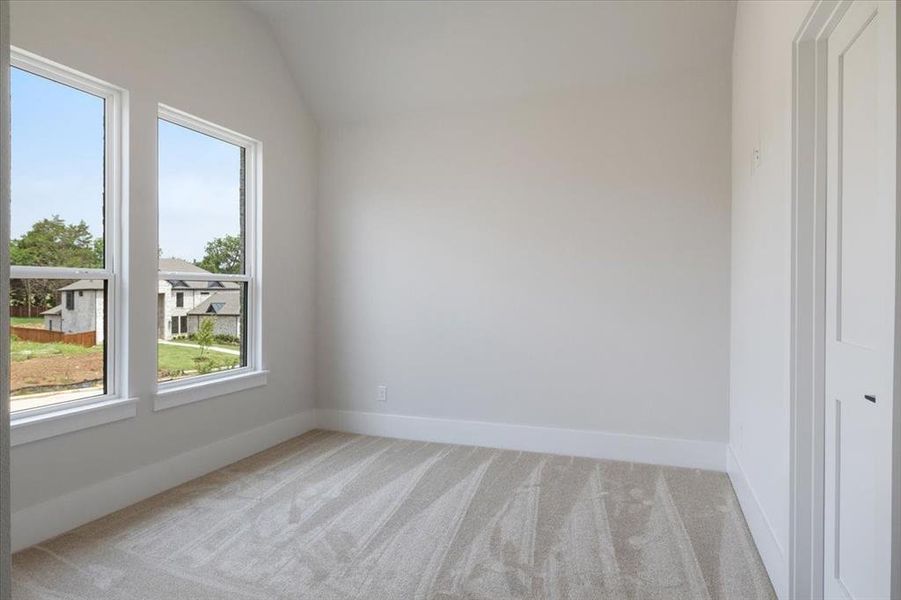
(57, 169)
(199, 190)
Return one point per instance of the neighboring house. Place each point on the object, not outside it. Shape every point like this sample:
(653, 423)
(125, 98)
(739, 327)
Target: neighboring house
(224, 308)
(178, 302)
(80, 309)
(178, 298)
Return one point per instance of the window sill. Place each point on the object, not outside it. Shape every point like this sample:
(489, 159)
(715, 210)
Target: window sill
(170, 397)
(31, 428)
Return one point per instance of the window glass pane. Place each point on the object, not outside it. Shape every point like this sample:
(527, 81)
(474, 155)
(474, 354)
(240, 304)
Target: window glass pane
(204, 336)
(201, 216)
(57, 353)
(57, 174)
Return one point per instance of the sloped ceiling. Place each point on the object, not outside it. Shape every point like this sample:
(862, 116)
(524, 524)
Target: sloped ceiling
(367, 60)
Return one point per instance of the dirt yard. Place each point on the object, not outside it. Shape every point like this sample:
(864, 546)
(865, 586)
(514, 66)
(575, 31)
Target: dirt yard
(46, 374)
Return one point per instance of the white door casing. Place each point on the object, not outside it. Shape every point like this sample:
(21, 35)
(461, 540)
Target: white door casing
(860, 302)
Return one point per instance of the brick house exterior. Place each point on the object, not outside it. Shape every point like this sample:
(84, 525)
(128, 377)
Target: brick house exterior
(177, 298)
(224, 308)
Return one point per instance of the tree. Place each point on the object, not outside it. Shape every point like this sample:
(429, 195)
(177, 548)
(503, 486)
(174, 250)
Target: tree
(99, 252)
(204, 335)
(223, 255)
(51, 243)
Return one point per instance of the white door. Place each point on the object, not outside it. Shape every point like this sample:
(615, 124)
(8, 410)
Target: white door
(860, 301)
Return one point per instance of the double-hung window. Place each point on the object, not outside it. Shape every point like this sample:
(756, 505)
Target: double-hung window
(68, 299)
(66, 198)
(208, 287)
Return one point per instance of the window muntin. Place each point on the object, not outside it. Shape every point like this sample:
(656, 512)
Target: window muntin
(64, 230)
(204, 183)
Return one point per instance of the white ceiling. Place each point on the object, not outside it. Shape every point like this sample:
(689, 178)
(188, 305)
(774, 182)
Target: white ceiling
(363, 60)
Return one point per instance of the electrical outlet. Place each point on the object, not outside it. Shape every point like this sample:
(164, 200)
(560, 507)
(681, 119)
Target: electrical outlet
(382, 394)
(756, 158)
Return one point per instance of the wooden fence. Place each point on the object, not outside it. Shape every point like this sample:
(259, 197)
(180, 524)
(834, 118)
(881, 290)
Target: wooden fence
(87, 339)
(22, 311)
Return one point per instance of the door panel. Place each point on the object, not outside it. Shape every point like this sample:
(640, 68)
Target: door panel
(860, 302)
(858, 247)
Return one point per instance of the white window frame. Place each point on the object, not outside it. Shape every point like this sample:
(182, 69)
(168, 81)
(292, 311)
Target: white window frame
(253, 374)
(38, 423)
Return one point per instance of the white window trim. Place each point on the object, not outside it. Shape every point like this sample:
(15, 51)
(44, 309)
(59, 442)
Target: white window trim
(39, 423)
(194, 389)
(70, 417)
(204, 387)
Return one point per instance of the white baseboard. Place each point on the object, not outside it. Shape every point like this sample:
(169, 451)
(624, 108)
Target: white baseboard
(553, 440)
(771, 551)
(37, 523)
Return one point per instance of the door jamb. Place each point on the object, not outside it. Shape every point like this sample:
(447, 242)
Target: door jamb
(808, 305)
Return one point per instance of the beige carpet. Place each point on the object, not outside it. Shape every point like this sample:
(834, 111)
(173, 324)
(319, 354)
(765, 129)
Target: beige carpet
(334, 516)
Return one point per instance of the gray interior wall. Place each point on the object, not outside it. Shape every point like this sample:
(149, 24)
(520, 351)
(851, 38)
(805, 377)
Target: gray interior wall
(561, 261)
(896, 503)
(761, 256)
(218, 61)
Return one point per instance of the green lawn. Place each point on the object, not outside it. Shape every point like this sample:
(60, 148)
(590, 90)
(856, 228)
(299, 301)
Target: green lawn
(171, 358)
(175, 361)
(214, 347)
(33, 322)
(22, 350)
(224, 346)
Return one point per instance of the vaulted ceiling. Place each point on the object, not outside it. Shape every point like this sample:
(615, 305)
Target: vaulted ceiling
(364, 60)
